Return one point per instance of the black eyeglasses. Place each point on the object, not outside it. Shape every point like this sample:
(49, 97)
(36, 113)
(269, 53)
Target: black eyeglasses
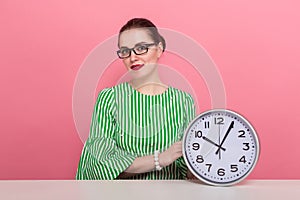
(138, 50)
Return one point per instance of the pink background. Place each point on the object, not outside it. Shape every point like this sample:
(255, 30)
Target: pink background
(42, 46)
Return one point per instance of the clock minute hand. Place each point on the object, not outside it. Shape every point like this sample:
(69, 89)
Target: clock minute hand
(226, 134)
(210, 141)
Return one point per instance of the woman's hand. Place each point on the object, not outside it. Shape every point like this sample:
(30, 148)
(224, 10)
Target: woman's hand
(171, 154)
(190, 176)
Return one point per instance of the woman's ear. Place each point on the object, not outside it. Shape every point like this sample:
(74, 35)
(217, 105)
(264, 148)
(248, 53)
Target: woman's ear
(159, 49)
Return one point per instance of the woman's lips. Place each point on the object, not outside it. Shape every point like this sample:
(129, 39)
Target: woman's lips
(136, 67)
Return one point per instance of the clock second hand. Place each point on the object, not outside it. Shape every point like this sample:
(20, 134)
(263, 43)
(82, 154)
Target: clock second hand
(219, 141)
(226, 134)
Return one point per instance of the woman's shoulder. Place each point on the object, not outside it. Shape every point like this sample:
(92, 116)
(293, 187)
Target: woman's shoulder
(109, 91)
(105, 92)
(180, 92)
(106, 96)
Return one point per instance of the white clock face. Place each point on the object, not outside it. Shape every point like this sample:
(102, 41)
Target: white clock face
(220, 147)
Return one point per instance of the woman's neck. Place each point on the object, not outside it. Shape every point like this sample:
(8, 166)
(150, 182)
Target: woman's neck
(150, 85)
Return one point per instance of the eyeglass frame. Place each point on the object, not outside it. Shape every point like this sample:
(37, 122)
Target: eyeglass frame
(132, 49)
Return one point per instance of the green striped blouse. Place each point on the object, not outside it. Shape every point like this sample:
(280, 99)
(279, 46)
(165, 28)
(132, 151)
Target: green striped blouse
(127, 124)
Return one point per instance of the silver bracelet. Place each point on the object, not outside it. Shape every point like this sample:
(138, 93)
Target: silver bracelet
(156, 160)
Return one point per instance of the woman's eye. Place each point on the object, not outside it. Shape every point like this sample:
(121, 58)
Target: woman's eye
(124, 51)
(141, 48)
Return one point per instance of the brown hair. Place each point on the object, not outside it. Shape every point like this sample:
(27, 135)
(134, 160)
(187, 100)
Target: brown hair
(148, 25)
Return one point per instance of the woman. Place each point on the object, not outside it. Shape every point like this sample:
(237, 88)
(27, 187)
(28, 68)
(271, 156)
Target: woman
(137, 125)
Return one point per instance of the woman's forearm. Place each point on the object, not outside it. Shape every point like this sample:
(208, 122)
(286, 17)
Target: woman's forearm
(140, 165)
(146, 163)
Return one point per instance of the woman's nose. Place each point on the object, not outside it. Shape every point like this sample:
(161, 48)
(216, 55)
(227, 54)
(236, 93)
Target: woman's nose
(133, 56)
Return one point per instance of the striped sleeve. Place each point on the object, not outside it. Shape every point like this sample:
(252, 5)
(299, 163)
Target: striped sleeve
(189, 116)
(101, 158)
(190, 110)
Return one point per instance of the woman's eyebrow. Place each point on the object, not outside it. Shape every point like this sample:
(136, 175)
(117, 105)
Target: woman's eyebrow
(135, 44)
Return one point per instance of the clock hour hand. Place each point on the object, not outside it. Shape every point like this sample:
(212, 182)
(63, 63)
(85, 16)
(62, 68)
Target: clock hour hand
(208, 140)
(226, 134)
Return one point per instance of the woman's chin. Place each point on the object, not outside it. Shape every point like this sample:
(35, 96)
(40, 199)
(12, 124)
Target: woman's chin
(143, 72)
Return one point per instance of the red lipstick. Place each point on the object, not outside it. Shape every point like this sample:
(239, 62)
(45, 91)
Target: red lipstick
(136, 66)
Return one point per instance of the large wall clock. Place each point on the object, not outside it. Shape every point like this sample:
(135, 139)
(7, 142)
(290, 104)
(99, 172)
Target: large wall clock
(220, 147)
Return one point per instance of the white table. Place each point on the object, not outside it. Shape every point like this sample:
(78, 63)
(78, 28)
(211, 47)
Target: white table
(152, 190)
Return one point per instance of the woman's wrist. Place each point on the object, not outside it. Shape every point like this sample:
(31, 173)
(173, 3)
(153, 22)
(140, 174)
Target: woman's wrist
(156, 161)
